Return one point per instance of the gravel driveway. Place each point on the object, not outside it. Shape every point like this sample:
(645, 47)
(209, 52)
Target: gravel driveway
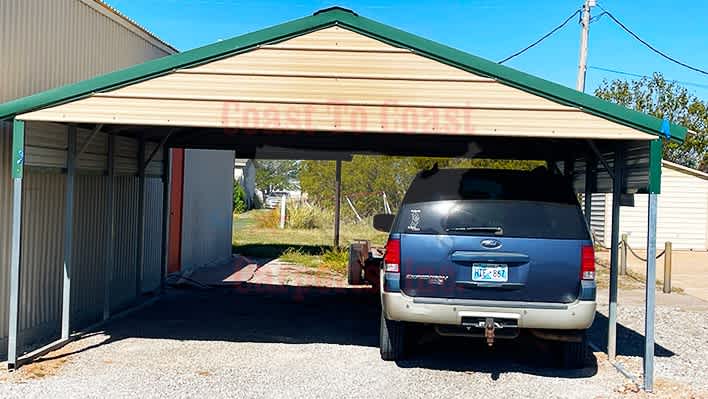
(219, 343)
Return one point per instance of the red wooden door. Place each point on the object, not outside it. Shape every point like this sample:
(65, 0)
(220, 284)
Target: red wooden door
(174, 260)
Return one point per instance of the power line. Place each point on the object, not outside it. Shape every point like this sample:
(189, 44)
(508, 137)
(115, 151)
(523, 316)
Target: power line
(637, 75)
(652, 48)
(544, 37)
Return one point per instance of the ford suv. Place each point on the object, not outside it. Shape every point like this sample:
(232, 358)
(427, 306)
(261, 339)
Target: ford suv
(488, 254)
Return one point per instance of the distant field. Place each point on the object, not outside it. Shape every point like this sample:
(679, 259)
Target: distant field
(309, 247)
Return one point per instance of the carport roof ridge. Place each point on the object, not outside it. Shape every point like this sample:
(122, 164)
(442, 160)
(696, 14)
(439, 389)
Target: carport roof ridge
(349, 20)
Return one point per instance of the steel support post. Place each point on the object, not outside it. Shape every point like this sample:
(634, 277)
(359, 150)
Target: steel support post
(650, 295)
(337, 199)
(141, 219)
(111, 226)
(590, 168)
(18, 158)
(617, 187)
(166, 190)
(68, 231)
(655, 150)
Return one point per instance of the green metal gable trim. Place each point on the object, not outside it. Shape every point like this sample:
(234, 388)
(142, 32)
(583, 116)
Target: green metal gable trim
(365, 26)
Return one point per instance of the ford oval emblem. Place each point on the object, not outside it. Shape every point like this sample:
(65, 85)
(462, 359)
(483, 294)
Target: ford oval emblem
(491, 243)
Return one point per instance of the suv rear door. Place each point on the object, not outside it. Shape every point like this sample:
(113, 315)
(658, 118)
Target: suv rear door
(491, 235)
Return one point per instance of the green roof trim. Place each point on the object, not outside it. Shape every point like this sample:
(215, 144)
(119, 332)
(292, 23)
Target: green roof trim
(346, 18)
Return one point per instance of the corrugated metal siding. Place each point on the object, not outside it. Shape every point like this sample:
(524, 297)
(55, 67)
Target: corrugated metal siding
(45, 145)
(207, 207)
(89, 249)
(682, 213)
(49, 43)
(153, 234)
(123, 284)
(41, 255)
(335, 79)
(598, 219)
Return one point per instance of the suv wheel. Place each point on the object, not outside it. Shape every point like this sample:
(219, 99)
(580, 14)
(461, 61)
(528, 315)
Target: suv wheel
(391, 339)
(574, 354)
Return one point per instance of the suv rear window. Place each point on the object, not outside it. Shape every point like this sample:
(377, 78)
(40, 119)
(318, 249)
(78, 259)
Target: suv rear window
(492, 202)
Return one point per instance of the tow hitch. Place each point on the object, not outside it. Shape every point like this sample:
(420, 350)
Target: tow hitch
(489, 330)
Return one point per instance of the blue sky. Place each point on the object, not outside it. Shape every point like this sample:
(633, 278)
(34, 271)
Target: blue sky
(488, 28)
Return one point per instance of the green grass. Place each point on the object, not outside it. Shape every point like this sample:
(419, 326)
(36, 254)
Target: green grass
(308, 247)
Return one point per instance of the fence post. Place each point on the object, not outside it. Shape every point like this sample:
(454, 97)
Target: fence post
(283, 202)
(623, 255)
(668, 254)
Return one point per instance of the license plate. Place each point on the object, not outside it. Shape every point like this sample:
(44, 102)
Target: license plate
(490, 272)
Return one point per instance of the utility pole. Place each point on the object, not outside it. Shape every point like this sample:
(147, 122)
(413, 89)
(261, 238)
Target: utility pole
(584, 31)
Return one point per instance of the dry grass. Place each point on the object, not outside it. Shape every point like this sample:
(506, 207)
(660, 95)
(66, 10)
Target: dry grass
(308, 247)
(632, 280)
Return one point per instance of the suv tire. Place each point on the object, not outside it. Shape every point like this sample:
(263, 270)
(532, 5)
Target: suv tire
(391, 338)
(574, 354)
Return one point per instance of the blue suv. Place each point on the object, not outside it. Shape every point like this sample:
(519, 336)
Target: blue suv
(488, 253)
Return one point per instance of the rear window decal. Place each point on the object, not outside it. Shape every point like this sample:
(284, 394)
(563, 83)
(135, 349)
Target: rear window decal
(415, 220)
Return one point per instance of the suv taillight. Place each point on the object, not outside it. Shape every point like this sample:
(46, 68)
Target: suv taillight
(392, 257)
(587, 263)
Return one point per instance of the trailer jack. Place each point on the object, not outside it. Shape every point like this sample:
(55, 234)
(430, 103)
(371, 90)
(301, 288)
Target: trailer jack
(489, 330)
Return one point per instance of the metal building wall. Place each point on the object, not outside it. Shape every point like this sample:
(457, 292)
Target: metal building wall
(207, 207)
(682, 212)
(49, 43)
(41, 255)
(153, 234)
(46, 44)
(89, 249)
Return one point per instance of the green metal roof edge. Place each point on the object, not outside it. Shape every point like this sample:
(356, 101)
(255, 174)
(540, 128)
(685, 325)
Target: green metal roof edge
(365, 26)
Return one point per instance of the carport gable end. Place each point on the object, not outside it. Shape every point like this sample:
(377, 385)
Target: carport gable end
(336, 70)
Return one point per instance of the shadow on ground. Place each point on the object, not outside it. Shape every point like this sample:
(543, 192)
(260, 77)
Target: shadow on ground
(302, 315)
(629, 342)
(273, 251)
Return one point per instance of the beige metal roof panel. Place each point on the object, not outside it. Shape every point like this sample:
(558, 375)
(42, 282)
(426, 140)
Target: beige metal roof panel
(334, 117)
(331, 90)
(336, 37)
(341, 64)
(336, 80)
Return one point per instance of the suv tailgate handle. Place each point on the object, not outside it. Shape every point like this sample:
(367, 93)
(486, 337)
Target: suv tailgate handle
(488, 257)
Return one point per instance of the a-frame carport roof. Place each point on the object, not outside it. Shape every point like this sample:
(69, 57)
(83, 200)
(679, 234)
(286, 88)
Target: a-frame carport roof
(394, 38)
(336, 81)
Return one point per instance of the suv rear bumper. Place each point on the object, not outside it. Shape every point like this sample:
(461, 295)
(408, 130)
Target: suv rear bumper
(577, 315)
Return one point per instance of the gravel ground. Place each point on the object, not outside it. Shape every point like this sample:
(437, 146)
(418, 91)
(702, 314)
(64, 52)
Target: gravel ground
(219, 343)
(681, 351)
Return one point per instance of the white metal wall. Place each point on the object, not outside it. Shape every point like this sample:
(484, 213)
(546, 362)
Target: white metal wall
(49, 43)
(207, 207)
(682, 213)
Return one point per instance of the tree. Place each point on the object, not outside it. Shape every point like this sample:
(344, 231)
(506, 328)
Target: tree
(664, 99)
(272, 175)
(366, 177)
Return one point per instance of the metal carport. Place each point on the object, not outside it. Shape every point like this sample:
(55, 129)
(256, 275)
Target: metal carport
(339, 82)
